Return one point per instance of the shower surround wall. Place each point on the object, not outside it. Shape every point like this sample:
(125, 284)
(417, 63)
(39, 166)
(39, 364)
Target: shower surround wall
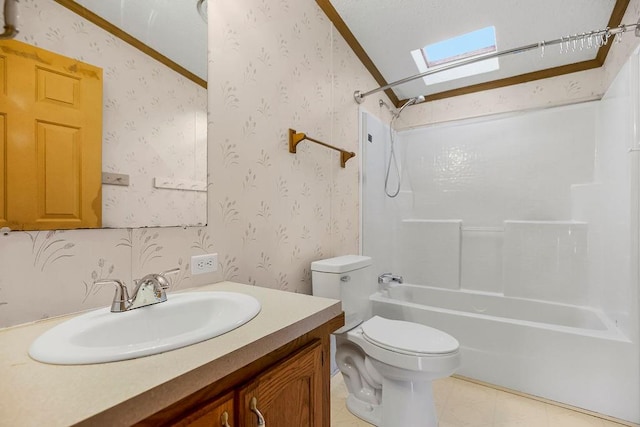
(507, 180)
(475, 181)
(540, 205)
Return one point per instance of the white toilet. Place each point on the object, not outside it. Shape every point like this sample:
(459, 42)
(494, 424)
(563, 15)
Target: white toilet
(388, 365)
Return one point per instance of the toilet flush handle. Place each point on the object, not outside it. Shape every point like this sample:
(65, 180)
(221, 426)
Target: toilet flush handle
(345, 278)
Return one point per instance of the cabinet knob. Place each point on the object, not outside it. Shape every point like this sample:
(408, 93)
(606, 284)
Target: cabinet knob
(224, 419)
(254, 409)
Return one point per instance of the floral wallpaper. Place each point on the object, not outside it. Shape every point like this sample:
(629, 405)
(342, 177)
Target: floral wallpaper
(49, 273)
(273, 65)
(154, 120)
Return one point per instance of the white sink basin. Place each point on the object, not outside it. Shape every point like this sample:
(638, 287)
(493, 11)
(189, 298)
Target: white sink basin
(184, 319)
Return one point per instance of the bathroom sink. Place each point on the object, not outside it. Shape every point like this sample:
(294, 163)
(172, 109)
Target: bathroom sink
(184, 319)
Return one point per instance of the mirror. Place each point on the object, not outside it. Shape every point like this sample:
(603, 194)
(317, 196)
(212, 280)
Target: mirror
(154, 119)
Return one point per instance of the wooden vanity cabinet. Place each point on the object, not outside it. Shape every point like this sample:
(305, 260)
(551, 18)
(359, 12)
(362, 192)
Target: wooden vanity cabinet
(289, 394)
(290, 385)
(220, 412)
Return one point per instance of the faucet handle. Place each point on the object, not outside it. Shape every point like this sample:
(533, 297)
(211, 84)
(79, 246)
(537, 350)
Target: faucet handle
(162, 279)
(159, 278)
(121, 297)
(388, 278)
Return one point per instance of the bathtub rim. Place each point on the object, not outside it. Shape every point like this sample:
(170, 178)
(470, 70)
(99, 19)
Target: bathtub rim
(611, 331)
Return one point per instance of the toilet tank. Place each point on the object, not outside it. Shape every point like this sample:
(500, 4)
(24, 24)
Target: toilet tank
(348, 278)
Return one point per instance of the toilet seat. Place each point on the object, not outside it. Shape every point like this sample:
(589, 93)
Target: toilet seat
(408, 338)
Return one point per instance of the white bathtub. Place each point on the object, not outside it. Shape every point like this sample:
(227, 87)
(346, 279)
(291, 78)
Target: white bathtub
(570, 354)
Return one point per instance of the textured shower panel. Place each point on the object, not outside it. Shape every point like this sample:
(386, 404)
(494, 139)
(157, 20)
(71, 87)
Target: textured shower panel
(546, 260)
(428, 252)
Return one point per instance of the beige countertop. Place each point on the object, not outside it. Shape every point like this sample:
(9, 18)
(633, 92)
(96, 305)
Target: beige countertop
(121, 393)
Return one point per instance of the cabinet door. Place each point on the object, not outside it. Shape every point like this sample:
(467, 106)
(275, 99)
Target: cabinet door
(286, 395)
(218, 413)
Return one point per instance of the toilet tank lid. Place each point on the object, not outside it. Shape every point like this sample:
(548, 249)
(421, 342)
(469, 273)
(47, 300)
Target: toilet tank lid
(341, 264)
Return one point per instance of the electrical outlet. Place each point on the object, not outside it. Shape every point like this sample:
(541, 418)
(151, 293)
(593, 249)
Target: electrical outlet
(201, 264)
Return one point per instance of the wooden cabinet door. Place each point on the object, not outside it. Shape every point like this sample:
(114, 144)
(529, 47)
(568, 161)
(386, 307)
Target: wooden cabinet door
(288, 394)
(218, 413)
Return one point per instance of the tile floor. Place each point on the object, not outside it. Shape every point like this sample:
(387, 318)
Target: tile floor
(461, 403)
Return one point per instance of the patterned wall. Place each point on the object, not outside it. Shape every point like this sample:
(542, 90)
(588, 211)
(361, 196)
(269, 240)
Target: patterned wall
(273, 65)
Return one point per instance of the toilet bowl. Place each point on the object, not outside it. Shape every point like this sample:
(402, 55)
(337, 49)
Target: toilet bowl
(388, 365)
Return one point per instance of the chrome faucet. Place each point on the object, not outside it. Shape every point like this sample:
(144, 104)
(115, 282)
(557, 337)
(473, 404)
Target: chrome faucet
(386, 279)
(149, 290)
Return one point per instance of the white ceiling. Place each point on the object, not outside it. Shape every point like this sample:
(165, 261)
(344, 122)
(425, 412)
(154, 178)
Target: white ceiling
(389, 30)
(172, 27)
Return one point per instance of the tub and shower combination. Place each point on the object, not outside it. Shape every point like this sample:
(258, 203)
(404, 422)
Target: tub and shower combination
(518, 234)
(555, 351)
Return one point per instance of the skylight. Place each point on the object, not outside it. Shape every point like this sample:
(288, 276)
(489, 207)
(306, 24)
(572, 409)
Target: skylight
(459, 48)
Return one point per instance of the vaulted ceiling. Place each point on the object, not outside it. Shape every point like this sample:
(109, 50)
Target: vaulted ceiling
(384, 32)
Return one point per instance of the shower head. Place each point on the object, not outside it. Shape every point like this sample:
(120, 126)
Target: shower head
(411, 101)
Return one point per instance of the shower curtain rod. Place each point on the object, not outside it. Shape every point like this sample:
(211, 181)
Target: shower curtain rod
(594, 38)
